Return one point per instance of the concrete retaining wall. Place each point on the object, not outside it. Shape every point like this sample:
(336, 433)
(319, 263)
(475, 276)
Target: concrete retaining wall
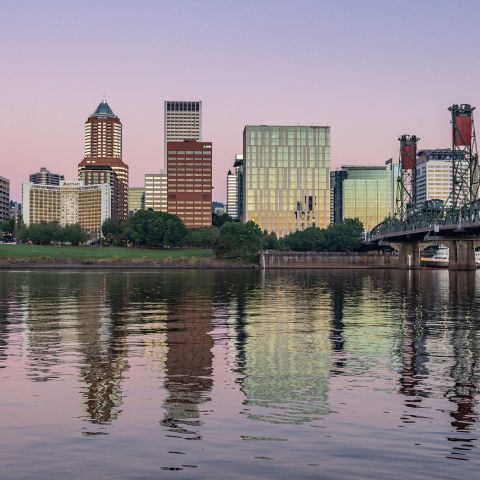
(327, 260)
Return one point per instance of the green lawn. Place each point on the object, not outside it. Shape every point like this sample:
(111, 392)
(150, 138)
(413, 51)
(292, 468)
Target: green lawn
(98, 253)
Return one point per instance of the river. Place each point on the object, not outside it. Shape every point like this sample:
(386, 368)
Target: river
(239, 374)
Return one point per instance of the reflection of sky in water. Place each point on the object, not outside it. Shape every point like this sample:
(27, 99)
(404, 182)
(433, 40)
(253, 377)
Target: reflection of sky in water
(274, 374)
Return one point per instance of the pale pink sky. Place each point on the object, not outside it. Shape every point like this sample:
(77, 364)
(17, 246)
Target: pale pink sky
(372, 70)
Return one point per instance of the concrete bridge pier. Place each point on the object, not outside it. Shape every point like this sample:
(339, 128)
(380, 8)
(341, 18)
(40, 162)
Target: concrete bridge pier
(408, 254)
(462, 255)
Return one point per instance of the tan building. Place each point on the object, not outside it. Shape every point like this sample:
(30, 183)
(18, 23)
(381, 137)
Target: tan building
(286, 177)
(136, 199)
(98, 174)
(189, 182)
(103, 147)
(156, 191)
(183, 120)
(68, 203)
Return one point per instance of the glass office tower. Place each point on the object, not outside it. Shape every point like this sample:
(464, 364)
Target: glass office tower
(366, 193)
(286, 177)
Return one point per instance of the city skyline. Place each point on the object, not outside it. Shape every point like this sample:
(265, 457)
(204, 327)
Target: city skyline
(307, 60)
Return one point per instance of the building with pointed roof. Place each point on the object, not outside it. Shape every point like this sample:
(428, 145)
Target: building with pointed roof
(103, 147)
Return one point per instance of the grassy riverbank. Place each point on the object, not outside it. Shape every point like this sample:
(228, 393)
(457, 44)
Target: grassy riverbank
(46, 254)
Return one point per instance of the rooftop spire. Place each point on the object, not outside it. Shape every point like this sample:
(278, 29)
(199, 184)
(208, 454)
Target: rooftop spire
(103, 110)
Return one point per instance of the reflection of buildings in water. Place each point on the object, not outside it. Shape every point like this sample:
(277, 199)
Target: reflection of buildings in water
(465, 368)
(102, 332)
(413, 336)
(6, 293)
(439, 314)
(45, 297)
(287, 363)
(189, 357)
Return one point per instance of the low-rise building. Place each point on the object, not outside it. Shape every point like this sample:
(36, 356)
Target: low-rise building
(156, 191)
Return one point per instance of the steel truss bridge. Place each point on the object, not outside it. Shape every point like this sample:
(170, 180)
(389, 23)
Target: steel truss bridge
(454, 220)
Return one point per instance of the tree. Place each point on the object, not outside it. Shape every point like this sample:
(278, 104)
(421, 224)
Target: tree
(269, 240)
(74, 234)
(239, 240)
(219, 220)
(312, 239)
(150, 228)
(202, 237)
(345, 236)
(113, 231)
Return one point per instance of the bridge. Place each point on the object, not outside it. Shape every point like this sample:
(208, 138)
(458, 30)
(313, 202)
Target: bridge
(453, 220)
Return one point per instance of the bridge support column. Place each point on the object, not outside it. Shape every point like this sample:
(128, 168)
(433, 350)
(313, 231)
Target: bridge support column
(408, 254)
(462, 255)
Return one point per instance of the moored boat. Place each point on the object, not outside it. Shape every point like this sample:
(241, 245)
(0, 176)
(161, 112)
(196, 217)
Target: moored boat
(440, 258)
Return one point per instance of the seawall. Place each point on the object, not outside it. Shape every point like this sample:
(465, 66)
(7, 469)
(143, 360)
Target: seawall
(276, 260)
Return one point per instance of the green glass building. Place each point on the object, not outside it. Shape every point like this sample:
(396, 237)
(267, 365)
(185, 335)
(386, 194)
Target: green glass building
(286, 181)
(364, 192)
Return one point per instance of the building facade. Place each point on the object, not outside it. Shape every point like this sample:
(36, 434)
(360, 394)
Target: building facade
(286, 177)
(363, 192)
(4, 199)
(46, 177)
(183, 121)
(232, 194)
(189, 182)
(238, 166)
(68, 203)
(136, 199)
(336, 195)
(156, 191)
(103, 147)
(98, 174)
(434, 174)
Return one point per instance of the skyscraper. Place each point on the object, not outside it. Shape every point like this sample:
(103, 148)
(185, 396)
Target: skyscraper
(286, 177)
(4, 198)
(103, 147)
(238, 166)
(235, 188)
(232, 194)
(189, 176)
(183, 121)
(46, 177)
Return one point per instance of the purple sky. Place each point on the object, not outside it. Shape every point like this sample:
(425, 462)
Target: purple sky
(372, 70)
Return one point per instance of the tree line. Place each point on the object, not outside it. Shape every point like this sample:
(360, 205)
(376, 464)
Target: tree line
(228, 239)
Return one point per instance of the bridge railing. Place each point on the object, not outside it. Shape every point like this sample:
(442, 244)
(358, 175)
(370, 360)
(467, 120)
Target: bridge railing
(428, 218)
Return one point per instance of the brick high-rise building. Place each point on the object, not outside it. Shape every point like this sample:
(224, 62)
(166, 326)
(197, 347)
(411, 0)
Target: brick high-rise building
(189, 182)
(103, 147)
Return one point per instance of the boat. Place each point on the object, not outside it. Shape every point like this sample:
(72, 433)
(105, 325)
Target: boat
(439, 259)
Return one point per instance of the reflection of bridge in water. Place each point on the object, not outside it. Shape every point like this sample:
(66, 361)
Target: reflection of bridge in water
(453, 220)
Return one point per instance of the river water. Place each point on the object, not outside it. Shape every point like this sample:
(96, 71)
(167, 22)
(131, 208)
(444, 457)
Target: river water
(239, 374)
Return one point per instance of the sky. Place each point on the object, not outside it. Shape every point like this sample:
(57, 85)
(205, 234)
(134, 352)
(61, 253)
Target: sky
(370, 69)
